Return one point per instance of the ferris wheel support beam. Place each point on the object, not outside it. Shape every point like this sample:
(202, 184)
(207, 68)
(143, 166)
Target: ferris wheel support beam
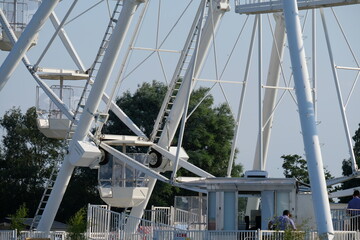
(338, 91)
(270, 94)
(123, 117)
(20, 48)
(187, 100)
(48, 91)
(76, 58)
(90, 108)
(67, 43)
(242, 99)
(307, 119)
(216, 11)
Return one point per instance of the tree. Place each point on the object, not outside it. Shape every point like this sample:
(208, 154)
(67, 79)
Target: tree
(207, 138)
(82, 190)
(25, 156)
(77, 225)
(347, 167)
(142, 108)
(18, 218)
(296, 167)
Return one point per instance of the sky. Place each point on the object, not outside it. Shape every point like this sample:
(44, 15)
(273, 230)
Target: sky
(227, 55)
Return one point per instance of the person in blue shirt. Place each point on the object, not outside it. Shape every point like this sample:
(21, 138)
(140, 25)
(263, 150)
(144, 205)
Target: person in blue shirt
(283, 222)
(353, 209)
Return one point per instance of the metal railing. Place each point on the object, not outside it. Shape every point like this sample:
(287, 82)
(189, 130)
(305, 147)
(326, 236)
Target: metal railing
(104, 224)
(12, 235)
(152, 232)
(249, 235)
(176, 217)
(8, 234)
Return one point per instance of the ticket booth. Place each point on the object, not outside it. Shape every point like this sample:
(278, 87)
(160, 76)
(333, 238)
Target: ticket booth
(276, 195)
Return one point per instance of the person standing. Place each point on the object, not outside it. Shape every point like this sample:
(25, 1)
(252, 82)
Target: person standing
(283, 222)
(353, 209)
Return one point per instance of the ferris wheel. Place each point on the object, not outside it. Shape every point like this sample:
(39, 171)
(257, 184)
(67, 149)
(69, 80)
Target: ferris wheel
(122, 40)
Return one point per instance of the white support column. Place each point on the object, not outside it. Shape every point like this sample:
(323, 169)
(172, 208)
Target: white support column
(260, 103)
(26, 38)
(307, 119)
(90, 108)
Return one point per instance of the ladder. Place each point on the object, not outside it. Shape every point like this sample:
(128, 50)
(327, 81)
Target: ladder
(176, 81)
(46, 194)
(105, 41)
(92, 72)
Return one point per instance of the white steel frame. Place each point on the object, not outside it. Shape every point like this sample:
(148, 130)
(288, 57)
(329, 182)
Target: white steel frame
(217, 8)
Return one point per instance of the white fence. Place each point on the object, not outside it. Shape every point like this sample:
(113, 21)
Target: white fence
(57, 235)
(249, 235)
(176, 217)
(108, 225)
(12, 235)
(346, 219)
(104, 224)
(177, 234)
(8, 235)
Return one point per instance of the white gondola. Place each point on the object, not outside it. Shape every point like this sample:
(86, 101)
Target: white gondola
(51, 121)
(18, 14)
(119, 184)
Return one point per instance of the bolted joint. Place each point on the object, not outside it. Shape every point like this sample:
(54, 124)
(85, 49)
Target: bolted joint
(223, 5)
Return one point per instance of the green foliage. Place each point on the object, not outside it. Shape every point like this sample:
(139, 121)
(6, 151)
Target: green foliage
(207, 138)
(347, 167)
(25, 164)
(82, 190)
(18, 218)
(290, 234)
(25, 156)
(142, 107)
(356, 147)
(77, 225)
(296, 167)
(347, 170)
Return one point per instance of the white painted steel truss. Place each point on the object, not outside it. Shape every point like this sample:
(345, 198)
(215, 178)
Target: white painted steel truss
(195, 49)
